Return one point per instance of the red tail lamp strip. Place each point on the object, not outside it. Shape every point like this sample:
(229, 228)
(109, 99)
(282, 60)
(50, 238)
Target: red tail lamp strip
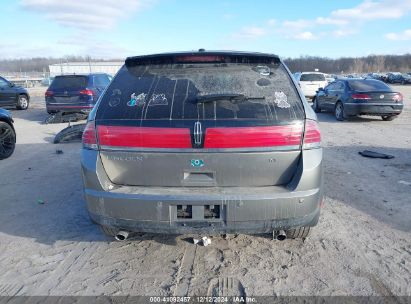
(89, 136)
(361, 96)
(144, 137)
(245, 137)
(312, 132)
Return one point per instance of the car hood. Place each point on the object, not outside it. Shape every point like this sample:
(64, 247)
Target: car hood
(20, 89)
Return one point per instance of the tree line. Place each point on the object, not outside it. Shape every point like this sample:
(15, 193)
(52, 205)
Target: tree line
(371, 63)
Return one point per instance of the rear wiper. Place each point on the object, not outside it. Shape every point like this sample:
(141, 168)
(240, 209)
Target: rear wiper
(219, 97)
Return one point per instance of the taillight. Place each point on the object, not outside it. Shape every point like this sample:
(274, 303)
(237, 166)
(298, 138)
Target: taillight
(143, 137)
(312, 135)
(49, 93)
(398, 97)
(361, 96)
(249, 137)
(87, 92)
(89, 136)
(199, 58)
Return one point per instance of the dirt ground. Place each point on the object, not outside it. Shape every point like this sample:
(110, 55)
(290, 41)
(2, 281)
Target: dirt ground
(362, 245)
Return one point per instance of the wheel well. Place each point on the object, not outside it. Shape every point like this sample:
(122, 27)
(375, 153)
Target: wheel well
(25, 94)
(7, 121)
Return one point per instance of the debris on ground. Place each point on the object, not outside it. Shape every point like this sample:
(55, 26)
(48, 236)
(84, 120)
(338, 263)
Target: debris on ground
(58, 151)
(71, 133)
(373, 154)
(404, 183)
(206, 241)
(40, 201)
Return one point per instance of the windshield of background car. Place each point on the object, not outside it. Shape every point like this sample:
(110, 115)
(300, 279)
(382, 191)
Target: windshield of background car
(312, 77)
(3, 83)
(172, 92)
(368, 85)
(69, 82)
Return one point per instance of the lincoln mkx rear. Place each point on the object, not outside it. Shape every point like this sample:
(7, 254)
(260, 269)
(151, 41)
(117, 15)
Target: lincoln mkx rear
(204, 142)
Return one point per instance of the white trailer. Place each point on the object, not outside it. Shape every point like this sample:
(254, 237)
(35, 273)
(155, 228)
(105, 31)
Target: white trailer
(109, 67)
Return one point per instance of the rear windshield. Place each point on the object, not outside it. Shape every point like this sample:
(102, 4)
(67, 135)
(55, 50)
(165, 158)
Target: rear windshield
(69, 82)
(173, 91)
(312, 77)
(368, 85)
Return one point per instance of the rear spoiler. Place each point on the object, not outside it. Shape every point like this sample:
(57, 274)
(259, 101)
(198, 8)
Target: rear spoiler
(203, 57)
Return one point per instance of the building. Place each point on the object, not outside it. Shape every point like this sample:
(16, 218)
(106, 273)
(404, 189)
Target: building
(109, 67)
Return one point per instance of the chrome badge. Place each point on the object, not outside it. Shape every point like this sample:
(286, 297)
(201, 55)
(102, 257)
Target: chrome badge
(197, 133)
(382, 96)
(197, 163)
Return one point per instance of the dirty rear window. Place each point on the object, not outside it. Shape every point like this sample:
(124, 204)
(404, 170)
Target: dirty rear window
(312, 77)
(368, 85)
(69, 82)
(172, 92)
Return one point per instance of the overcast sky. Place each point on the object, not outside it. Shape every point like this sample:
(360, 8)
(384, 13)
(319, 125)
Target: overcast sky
(120, 28)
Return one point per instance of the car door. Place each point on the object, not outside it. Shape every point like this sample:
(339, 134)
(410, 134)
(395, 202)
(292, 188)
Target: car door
(327, 98)
(321, 96)
(336, 93)
(7, 93)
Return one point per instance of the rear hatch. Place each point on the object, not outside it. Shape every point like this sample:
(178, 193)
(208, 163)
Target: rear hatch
(69, 90)
(373, 91)
(310, 83)
(200, 120)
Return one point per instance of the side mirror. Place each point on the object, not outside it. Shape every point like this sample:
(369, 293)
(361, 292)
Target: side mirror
(11, 84)
(320, 90)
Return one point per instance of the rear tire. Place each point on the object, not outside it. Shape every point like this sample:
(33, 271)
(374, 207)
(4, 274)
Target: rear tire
(339, 111)
(23, 102)
(298, 233)
(109, 231)
(316, 108)
(388, 117)
(7, 140)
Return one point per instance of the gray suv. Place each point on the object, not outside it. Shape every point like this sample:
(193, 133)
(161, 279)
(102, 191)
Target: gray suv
(203, 142)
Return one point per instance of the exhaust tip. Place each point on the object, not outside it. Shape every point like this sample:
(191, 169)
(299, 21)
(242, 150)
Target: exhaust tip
(281, 235)
(121, 235)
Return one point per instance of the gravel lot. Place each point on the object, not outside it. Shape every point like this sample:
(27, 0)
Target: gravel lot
(362, 245)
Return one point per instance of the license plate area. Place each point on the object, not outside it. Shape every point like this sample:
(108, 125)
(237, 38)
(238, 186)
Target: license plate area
(196, 212)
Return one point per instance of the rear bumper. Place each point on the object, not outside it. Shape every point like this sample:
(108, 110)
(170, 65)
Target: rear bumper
(206, 227)
(372, 109)
(241, 210)
(309, 93)
(69, 108)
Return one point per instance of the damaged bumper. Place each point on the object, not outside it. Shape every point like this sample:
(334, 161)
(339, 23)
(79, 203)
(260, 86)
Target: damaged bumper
(180, 210)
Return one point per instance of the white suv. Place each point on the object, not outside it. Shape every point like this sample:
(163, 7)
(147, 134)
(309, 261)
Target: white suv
(310, 82)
